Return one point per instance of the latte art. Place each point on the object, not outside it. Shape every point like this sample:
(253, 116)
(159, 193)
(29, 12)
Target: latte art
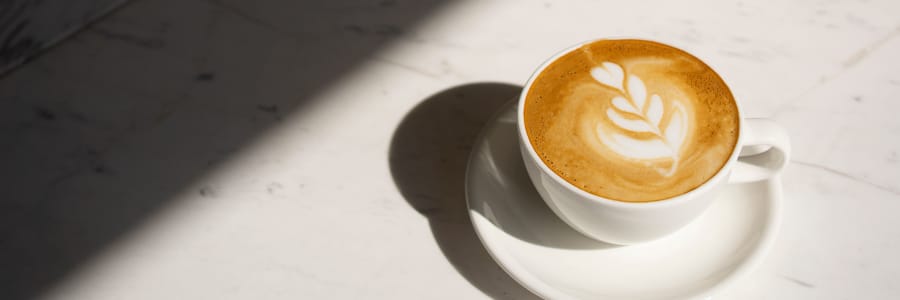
(633, 112)
(631, 120)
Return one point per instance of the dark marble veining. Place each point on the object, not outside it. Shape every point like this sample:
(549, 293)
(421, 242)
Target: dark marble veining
(29, 26)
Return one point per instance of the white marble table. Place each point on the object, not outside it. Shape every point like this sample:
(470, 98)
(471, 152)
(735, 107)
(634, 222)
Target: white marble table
(277, 150)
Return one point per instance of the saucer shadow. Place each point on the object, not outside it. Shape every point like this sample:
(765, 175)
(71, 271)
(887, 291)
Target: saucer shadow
(428, 156)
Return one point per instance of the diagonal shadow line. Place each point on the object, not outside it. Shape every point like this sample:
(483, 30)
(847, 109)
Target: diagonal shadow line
(101, 132)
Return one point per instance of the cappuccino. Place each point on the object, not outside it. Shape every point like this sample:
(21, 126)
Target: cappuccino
(631, 120)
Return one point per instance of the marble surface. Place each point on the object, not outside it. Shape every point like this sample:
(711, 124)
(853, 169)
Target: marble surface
(280, 150)
(28, 27)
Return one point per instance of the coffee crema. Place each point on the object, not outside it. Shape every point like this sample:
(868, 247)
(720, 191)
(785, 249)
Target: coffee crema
(631, 120)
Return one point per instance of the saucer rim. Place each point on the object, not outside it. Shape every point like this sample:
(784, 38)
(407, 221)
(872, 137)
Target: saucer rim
(769, 231)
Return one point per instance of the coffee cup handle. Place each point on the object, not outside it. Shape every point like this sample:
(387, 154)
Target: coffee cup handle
(765, 152)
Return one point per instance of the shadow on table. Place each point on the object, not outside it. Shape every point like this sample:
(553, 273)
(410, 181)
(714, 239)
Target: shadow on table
(428, 156)
(100, 133)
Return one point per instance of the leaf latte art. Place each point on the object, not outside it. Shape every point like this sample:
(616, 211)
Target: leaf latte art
(664, 143)
(631, 120)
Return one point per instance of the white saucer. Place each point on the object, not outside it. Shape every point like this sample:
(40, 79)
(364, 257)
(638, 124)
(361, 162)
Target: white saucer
(555, 262)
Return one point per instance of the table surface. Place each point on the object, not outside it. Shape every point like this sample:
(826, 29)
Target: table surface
(277, 149)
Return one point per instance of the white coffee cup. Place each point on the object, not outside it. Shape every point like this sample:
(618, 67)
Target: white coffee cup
(626, 223)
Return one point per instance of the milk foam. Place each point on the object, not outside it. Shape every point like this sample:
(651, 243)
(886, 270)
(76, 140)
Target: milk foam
(632, 112)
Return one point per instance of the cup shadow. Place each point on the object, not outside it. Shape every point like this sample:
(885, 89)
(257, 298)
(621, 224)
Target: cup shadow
(428, 156)
(500, 190)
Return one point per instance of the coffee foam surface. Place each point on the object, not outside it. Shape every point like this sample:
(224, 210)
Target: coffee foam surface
(631, 120)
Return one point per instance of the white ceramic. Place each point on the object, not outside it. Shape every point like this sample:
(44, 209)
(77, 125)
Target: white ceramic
(628, 223)
(554, 261)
